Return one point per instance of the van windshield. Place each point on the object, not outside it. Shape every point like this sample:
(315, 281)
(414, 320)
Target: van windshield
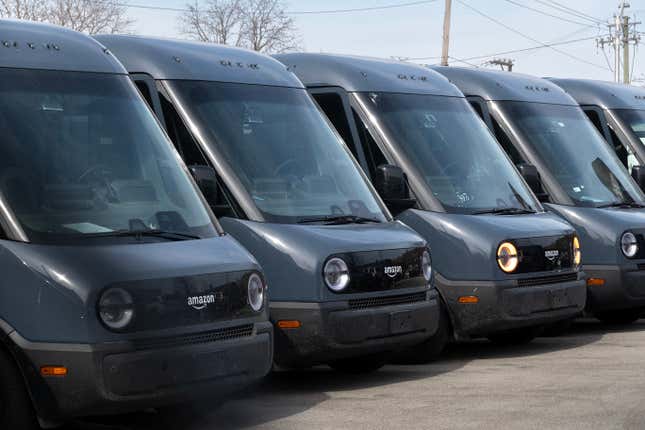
(634, 120)
(282, 150)
(82, 156)
(462, 163)
(574, 152)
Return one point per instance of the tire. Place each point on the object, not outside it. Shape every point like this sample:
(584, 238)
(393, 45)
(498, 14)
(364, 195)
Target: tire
(515, 337)
(622, 317)
(431, 349)
(361, 365)
(16, 410)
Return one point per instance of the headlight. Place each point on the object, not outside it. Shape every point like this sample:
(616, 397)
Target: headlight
(116, 308)
(426, 265)
(256, 292)
(629, 244)
(577, 255)
(507, 257)
(336, 274)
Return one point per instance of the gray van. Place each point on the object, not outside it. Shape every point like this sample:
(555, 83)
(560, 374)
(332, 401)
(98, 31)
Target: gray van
(618, 112)
(503, 266)
(349, 285)
(120, 290)
(576, 174)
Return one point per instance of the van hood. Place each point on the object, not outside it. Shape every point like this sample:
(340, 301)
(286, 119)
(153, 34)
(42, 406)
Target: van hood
(465, 246)
(294, 255)
(56, 288)
(600, 230)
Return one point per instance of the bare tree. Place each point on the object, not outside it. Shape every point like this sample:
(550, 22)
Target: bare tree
(261, 25)
(267, 27)
(219, 22)
(33, 10)
(90, 16)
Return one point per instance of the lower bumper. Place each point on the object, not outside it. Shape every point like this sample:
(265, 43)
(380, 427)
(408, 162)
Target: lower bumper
(333, 331)
(623, 288)
(505, 306)
(106, 379)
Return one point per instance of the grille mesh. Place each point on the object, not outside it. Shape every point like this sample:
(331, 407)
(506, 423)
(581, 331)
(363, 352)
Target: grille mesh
(373, 302)
(545, 280)
(204, 337)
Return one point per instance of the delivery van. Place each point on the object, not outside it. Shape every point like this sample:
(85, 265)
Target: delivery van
(349, 285)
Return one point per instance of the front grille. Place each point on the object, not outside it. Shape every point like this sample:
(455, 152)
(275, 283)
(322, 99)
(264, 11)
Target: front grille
(545, 280)
(373, 302)
(197, 338)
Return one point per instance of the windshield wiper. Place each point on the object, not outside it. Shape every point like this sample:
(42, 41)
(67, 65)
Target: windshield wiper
(171, 235)
(505, 211)
(630, 205)
(339, 219)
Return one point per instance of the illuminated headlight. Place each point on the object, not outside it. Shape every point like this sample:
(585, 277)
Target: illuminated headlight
(256, 292)
(336, 274)
(116, 308)
(629, 244)
(507, 257)
(426, 265)
(577, 255)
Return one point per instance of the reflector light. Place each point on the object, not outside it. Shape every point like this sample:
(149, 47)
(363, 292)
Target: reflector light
(289, 324)
(468, 299)
(595, 282)
(53, 370)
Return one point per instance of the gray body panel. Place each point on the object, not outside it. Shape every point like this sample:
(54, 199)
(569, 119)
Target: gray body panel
(361, 74)
(166, 59)
(492, 85)
(607, 95)
(294, 255)
(28, 45)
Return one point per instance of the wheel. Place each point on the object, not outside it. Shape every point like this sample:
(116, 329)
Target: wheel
(432, 348)
(16, 411)
(622, 317)
(515, 337)
(558, 328)
(361, 365)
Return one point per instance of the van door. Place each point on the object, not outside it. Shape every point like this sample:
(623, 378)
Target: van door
(598, 118)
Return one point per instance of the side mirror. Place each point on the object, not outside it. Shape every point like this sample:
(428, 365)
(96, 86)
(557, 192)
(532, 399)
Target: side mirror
(392, 186)
(638, 173)
(532, 177)
(206, 179)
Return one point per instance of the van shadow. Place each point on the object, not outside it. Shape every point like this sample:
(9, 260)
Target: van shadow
(287, 393)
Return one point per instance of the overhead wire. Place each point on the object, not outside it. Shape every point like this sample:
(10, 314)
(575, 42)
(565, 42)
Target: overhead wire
(565, 9)
(549, 14)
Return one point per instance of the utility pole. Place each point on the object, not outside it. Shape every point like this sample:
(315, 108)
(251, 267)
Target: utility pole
(446, 33)
(622, 33)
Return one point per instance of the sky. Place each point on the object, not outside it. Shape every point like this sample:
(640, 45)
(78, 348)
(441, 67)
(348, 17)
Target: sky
(415, 31)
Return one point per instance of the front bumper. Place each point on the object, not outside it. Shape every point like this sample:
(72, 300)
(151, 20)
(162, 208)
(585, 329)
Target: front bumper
(331, 331)
(121, 377)
(624, 287)
(505, 305)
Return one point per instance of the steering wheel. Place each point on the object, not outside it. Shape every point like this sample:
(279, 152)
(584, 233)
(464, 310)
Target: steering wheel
(102, 177)
(282, 166)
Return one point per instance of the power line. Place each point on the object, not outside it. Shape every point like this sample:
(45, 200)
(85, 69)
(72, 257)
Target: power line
(490, 18)
(298, 12)
(565, 9)
(549, 14)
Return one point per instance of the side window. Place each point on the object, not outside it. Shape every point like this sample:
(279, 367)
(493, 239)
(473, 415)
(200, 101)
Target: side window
(332, 105)
(145, 92)
(506, 143)
(218, 197)
(478, 108)
(373, 153)
(595, 119)
(623, 152)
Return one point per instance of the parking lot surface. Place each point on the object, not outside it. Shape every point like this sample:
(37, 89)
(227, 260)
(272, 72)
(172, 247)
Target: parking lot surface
(591, 378)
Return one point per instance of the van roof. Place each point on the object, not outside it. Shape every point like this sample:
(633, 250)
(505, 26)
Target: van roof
(361, 74)
(29, 45)
(609, 95)
(505, 86)
(197, 61)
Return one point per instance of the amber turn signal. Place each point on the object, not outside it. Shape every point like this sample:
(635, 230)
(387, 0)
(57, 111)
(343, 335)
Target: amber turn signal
(53, 371)
(289, 324)
(468, 299)
(595, 282)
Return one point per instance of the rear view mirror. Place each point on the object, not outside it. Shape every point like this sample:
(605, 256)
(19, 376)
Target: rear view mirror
(532, 177)
(206, 179)
(638, 173)
(392, 186)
